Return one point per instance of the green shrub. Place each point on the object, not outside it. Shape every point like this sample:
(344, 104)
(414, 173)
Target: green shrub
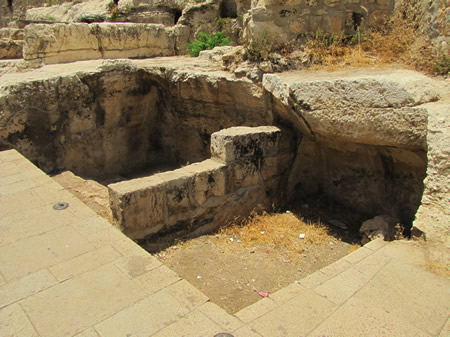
(259, 48)
(206, 42)
(442, 65)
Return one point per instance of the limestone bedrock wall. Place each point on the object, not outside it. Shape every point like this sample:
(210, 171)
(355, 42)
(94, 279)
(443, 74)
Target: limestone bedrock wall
(433, 216)
(60, 43)
(290, 18)
(11, 43)
(244, 172)
(116, 117)
(364, 142)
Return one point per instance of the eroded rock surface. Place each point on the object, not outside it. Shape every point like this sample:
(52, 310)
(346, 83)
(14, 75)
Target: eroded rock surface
(100, 118)
(433, 216)
(245, 172)
(60, 43)
(364, 141)
(358, 139)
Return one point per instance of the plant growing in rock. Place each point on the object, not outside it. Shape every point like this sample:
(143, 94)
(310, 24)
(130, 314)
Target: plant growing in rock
(207, 42)
(442, 65)
(260, 47)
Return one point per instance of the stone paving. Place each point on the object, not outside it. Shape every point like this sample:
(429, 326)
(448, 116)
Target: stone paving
(70, 273)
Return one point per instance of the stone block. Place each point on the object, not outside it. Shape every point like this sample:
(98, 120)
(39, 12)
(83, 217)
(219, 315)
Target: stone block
(275, 165)
(208, 184)
(138, 204)
(60, 43)
(334, 23)
(244, 143)
(299, 26)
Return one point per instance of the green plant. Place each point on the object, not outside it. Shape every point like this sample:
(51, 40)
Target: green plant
(442, 65)
(222, 23)
(260, 47)
(206, 42)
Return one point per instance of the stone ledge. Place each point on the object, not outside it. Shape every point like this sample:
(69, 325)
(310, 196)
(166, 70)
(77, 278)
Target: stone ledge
(204, 196)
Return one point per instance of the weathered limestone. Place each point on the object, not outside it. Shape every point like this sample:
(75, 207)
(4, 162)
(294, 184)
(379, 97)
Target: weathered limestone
(360, 139)
(11, 43)
(60, 43)
(289, 19)
(115, 117)
(363, 131)
(83, 11)
(355, 106)
(382, 226)
(433, 216)
(245, 171)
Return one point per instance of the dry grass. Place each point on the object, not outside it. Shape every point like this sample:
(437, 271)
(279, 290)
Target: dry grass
(354, 247)
(398, 45)
(400, 41)
(278, 230)
(439, 269)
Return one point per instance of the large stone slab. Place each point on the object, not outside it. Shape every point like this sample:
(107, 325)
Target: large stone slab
(60, 43)
(367, 107)
(81, 302)
(41, 251)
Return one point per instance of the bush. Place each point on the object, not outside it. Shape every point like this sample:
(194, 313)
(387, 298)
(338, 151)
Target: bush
(259, 48)
(207, 42)
(442, 66)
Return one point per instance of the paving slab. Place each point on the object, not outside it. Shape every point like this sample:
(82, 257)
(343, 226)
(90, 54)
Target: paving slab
(157, 279)
(88, 333)
(144, 318)
(85, 262)
(34, 221)
(220, 316)
(358, 318)
(411, 293)
(71, 273)
(81, 302)
(194, 324)
(296, 317)
(26, 286)
(342, 287)
(40, 251)
(14, 322)
(186, 294)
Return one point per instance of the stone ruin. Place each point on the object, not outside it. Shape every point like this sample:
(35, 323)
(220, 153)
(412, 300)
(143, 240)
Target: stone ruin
(70, 31)
(245, 171)
(337, 135)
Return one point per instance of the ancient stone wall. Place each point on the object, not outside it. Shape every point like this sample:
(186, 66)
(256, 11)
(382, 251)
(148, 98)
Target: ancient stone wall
(11, 43)
(13, 10)
(245, 171)
(60, 43)
(116, 117)
(361, 132)
(289, 19)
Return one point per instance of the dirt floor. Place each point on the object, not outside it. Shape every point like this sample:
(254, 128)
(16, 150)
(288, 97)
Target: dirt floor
(240, 264)
(235, 271)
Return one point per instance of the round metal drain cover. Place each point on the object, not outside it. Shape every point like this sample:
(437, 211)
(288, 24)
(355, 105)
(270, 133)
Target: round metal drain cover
(223, 334)
(60, 205)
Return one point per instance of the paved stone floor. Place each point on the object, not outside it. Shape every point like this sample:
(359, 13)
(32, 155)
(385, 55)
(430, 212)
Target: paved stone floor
(70, 273)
